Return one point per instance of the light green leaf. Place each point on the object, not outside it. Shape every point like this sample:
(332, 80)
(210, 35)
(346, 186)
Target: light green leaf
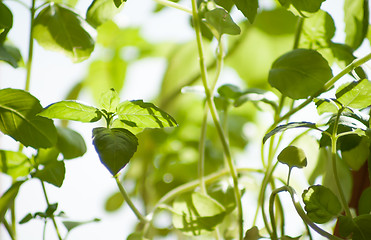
(72, 110)
(144, 115)
(14, 164)
(47, 155)
(118, 3)
(73, 224)
(356, 14)
(117, 123)
(7, 199)
(252, 234)
(300, 73)
(356, 94)
(293, 156)
(222, 22)
(364, 206)
(52, 173)
(109, 100)
(70, 143)
(11, 55)
(114, 202)
(60, 29)
(115, 147)
(284, 127)
(302, 7)
(358, 155)
(249, 8)
(326, 106)
(196, 213)
(6, 21)
(229, 91)
(101, 11)
(18, 119)
(320, 203)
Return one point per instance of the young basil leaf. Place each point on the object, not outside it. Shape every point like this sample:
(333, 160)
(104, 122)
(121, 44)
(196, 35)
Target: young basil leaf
(144, 115)
(109, 100)
(115, 147)
(6, 21)
(222, 22)
(356, 14)
(14, 164)
(60, 29)
(114, 202)
(249, 8)
(52, 173)
(11, 55)
(358, 155)
(300, 73)
(302, 7)
(73, 224)
(291, 125)
(320, 203)
(72, 110)
(364, 205)
(18, 114)
(7, 199)
(101, 11)
(293, 156)
(70, 143)
(356, 94)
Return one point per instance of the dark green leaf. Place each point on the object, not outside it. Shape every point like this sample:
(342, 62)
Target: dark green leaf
(300, 73)
(7, 199)
(52, 173)
(346, 226)
(249, 8)
(364, 206)
(290, 126)
(252, 234)
(114, 202)
(196, 213)
(144, 115)
(72, 110)
(362, 231)
(15, 164)
(222, 22)
(59, 29)
(73, 224)
(357, 156)
(302, 7)
(356, 94)
(26, 218)
(50, 210)
(101, 11)
(70, 143)
(293, 156)
(356, 14)
(226, 4)
(224, 196)
(320, 203)
(6, 21)
(11, 55)
(109, 100)
(118, 3)
(115, 147)
(18, 111)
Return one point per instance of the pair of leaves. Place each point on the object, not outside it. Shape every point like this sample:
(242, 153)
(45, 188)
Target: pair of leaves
(49, 213)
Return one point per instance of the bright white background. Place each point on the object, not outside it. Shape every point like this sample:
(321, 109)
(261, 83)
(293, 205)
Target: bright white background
(88, 183)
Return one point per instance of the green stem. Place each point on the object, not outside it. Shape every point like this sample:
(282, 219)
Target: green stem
(299, 28)
(174, 5)
(52, 216)
(334, 138)
(213, 111)
(201, 163)
(271, 214)
(30, 48)
(141, 218)
(9, 229)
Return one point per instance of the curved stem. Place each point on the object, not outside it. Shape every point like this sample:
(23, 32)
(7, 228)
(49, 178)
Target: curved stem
(52, 216)
(9, 229)
(140, 217)
(30, 48)
(174, 5)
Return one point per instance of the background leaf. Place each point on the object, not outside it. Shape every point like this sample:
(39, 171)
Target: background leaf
(7, 199)
(249, 8)
(222, 22)
(6, 21)
(364, 206)
(52, 173)
(11, 55)
(14, 164)
(356, 14)
(101, 11)
(299, 73)
(115, 147)
(18, 114)
(284, 127)
(293, 157)
(302, 7)
(70, 143)
(114, 202)
(60, 29)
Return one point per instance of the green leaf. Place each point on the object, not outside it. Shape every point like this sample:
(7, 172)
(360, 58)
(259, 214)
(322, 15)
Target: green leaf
(364, 206)
(11, 55)
(320, 203)
(52, 173)
(255, 96)
(101, 11)
(249, 8)
(26, 218)
(358, 155)
(302, 7)
(47, 155)
(300, 73)
(356, 14)
(222, 22)
(144, 115)
(252, 234)
(14, 164)
(356, 94)
(18, 119)
(6, 21)
(114, 202)
(109, 100)
(293, 156)
(362, 230)
(346, 225)
(70, 143)
(326, 106)
(7, 199)
(73, 224)
(229, 91)
(118, 3)
(196, 213)
(284, 127)
(59, 29)
(72, 110)
(115, 147)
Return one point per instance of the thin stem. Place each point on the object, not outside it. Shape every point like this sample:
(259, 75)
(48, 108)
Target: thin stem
(9, 229)
(30, 48)
(14, 224)
(141, 218)
(213, 111)
(271, 214)
(299, 28)
(174, 5)
(201, 163)
(52, 216)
